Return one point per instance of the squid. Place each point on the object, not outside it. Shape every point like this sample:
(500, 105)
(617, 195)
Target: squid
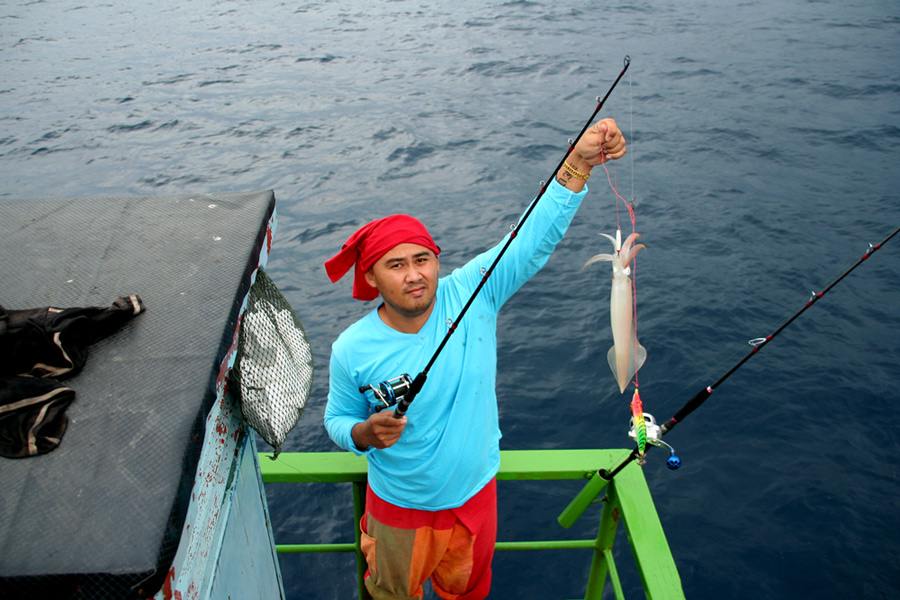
(626, 355)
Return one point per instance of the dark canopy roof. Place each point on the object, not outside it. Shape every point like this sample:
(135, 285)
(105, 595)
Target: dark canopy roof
(105, 509)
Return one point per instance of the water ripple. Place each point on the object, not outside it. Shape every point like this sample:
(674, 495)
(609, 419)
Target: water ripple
(762, 143)
(130, 128)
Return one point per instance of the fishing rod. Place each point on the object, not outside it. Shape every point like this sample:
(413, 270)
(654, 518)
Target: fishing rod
(760, 343)
(402, 390)
(602, 477)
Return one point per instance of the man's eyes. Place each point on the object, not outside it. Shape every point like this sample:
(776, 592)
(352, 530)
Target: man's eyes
(419, 260)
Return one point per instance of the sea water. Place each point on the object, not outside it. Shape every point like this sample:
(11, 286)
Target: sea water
(764, 139)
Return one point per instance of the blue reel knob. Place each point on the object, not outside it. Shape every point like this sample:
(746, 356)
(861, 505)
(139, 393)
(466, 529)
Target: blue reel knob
(673, 462)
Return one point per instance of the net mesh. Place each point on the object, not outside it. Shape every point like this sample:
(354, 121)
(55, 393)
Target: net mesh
(273, 368)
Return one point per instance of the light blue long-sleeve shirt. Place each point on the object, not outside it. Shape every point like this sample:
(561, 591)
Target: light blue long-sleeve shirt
(450, 447)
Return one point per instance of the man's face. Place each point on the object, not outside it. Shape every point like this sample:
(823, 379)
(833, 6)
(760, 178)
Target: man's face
(406, 277)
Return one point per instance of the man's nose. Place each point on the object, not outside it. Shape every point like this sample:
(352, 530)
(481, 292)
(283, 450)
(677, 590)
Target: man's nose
(413, 274)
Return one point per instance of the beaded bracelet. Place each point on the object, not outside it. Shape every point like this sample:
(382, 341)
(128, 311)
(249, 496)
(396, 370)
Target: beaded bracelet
(574, 172)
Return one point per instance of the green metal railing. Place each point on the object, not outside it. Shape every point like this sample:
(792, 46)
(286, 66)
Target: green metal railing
(627, 500)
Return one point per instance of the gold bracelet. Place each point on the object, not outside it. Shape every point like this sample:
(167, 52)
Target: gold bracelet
(574, 172)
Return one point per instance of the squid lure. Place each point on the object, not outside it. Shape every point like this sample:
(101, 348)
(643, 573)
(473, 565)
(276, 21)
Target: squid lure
(639, 425)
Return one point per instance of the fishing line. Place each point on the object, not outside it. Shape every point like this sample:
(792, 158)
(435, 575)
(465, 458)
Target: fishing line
(416, 384)
(631, 133)
(614, 187)
(758, 344)
(631, 210)
(613, 181)
(310, 478)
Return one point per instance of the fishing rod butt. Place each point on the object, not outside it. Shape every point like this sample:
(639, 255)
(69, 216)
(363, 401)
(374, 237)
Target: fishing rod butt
(585, 498)
(400, 410)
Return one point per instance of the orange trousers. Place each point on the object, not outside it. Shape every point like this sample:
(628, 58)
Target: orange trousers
(405, 547)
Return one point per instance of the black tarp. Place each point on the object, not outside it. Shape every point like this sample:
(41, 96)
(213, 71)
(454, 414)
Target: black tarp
(101, 515)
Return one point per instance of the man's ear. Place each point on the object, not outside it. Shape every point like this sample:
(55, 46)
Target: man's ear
(370, 278)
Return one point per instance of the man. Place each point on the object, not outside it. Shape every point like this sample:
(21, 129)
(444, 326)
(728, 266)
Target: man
(431, 509)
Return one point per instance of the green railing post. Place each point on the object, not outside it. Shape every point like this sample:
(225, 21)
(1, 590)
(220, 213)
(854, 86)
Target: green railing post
(645, 534)
(601, 560)
(359, 509)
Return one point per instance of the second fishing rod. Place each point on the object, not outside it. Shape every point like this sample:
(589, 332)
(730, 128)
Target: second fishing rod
(400, 391)
(599, 479)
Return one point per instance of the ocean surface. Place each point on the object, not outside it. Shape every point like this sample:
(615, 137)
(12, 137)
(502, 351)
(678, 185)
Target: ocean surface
(764, 144)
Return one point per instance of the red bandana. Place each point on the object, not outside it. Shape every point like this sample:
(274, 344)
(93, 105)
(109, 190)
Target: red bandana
(371, 242)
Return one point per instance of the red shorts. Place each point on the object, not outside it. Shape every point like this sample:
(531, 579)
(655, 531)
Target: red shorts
(405, 547)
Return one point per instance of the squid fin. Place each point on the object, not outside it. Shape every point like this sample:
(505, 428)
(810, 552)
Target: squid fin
(611, 359)
(636, 359)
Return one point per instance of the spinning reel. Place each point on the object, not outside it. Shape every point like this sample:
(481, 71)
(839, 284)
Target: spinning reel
(654, 437)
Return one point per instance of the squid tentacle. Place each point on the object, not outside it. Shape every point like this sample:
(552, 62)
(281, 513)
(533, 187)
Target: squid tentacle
(597, 258)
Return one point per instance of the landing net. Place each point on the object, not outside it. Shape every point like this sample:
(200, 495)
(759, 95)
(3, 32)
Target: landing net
(273, 369)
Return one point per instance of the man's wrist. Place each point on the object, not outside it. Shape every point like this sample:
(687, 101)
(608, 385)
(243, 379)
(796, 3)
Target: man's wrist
(579, 164)
(359, 436)
(574, 173)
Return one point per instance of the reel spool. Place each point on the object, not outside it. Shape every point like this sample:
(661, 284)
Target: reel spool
(389, 392)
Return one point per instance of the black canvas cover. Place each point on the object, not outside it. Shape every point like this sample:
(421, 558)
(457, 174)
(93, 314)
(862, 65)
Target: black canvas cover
(100, 516)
